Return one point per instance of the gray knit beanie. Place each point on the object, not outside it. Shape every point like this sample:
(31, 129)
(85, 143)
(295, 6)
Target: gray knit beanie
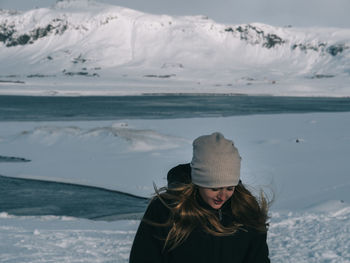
(216, 162)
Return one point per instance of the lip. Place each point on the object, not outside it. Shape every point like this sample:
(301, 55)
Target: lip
(218, 202)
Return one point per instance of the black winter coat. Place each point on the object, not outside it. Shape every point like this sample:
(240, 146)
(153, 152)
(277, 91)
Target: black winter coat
(244, 246)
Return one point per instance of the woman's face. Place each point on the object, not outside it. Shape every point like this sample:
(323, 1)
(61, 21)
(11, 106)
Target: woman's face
(216, 197)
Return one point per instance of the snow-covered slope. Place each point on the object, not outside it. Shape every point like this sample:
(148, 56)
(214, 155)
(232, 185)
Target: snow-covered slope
(303, 237)
(84, 41)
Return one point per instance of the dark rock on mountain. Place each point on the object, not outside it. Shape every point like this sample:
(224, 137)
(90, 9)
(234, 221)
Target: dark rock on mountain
(336, 49)
(10, 37)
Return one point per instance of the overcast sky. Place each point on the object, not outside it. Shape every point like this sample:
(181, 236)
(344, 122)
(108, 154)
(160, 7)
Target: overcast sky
(301, 13)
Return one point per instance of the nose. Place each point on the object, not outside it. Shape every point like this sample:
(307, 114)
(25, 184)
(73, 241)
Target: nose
(221, 194)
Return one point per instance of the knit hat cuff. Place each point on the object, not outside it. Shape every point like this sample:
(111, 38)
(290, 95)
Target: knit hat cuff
(215, 179)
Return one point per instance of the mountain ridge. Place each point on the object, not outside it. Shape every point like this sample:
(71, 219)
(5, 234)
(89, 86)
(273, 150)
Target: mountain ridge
(87, 38)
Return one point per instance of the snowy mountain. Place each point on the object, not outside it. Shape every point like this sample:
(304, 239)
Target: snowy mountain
(120, 48)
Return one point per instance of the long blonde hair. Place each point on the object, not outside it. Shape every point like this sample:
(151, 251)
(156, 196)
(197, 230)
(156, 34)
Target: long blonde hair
(186, 213)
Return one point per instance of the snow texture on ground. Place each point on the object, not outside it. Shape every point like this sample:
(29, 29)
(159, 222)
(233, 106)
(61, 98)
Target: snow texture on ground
(293, 238)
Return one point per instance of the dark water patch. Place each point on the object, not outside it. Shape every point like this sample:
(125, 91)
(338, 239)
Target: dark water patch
(160, 76)
(12, 159)
(159, 106)
(12, 81)
(26, 197)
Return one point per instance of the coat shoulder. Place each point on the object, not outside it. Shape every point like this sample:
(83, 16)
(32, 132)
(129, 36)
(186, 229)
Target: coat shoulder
(157, 210)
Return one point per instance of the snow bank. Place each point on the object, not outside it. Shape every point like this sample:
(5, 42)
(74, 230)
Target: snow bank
(56, 239)
(310, 237)
(293, 238)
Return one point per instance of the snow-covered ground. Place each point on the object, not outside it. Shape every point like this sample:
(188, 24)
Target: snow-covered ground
(302, 158)
(303, 237)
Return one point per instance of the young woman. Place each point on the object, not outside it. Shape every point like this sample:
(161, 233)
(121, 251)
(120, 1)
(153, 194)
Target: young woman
(205, 214)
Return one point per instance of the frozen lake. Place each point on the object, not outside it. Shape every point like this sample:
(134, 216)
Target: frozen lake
(27, 108)
(35, 197)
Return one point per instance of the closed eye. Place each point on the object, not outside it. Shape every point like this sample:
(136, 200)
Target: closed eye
(230, 188)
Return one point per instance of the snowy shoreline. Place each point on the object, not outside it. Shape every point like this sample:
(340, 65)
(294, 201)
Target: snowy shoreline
(68, 94)
(338, 89)
(302, 237)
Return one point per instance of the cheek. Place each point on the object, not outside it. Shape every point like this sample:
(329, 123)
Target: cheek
(229, 195)
(210, 196)
(204, 194)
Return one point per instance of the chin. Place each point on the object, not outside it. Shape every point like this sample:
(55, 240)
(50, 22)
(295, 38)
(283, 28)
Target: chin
(216, 206)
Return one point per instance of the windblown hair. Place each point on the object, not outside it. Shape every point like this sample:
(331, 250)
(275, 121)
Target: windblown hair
(186, 213)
